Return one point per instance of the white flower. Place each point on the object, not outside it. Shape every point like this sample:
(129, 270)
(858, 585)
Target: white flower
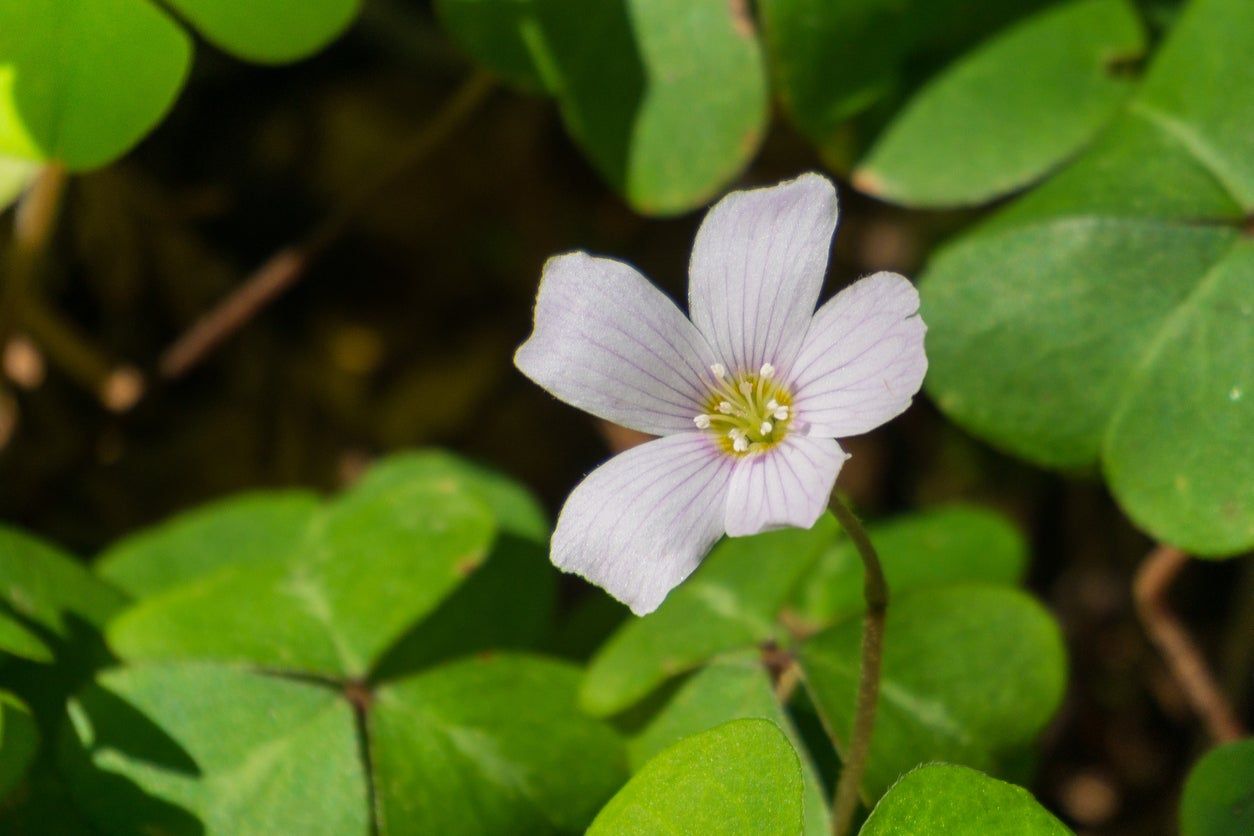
(748, 397)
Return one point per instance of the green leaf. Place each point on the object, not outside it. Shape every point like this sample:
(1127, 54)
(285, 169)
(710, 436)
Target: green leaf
(269, 31)
(970, 672)
(43, 585)
(668, 107)
(1008, 111)
(941, 546)
(372, 565)
(957, 801)
(729, 603)
(741, 777)
(16, 639)
(732, 687)
(490, 746)
(191, 748)
(1106, 317)
(832, 61)
(19, 740)
(82, 82)
(241, 531)
(1219, 794)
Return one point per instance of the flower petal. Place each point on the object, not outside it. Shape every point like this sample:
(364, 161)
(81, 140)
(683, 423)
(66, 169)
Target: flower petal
(862, 360)
(787, 486)
(610, 343)
(643, 521)
(757, 267)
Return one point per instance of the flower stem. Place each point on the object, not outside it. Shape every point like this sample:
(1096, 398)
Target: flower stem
(875, 591)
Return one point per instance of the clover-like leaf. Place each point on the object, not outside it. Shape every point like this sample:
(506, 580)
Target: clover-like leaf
(1219, 794)
(490, 745)
(969, 673)
(1007, 112)
(930, 548)
(81, 82)
(957, 801)
(732, 687)
(740, 777)
(41, 585)
(19, 640)
(1108, 316)
(668, 107)
(19, 740)
(241, 531)
(729, 603)
(833, 61)
(370, 565)
(202, 748)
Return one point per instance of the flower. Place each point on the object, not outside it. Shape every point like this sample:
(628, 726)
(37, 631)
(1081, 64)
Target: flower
(749, 396)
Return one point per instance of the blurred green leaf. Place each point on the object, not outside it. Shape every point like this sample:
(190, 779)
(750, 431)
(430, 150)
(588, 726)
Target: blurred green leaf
(372, 564)
(1219, 794)
(269, 31)
(969, 673)
(41, 584)
(1005, 113)
(832, 61)
(957, 801)
(16, 639)
(19, 740)
(200, 748)
(1109, 315)
(490, 745)
(732, 687)
(240, 531)
(741, 777)
(729, 603)
(669, 107)
(931, 548)
(81, 82)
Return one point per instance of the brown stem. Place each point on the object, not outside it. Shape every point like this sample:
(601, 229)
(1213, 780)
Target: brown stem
(287, 266)
(875, 591)
(1183, 657)
(33, 224)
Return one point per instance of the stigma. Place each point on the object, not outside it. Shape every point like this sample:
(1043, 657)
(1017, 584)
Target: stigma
(747, 413)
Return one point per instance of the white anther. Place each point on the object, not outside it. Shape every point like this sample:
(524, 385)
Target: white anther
(719, 370)
(781, 413)
(725, 407)
(746, 388)
(766, 428)
(772, 405)
(702, 422)
(767, 371)
(741, 444)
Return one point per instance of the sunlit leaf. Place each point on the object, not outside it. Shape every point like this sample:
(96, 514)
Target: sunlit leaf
(740, 777)
(1005, 113)
(957, 801)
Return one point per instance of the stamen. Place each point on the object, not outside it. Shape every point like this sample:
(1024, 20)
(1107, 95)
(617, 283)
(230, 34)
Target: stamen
(741, 445)
(772, 405)
(719, 370)
(746, 388)
(725, 407)
(767, 370)
(781, 414)
(766, 428)
(702, 422)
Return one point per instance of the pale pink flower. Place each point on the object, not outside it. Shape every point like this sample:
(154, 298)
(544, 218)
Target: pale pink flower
(748, 397)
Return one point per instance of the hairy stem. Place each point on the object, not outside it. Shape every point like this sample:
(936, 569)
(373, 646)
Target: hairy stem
(875, 591)
(288, 265)
(1183, 657)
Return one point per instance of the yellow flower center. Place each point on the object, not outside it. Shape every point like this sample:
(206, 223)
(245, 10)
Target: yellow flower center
(748, 413)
